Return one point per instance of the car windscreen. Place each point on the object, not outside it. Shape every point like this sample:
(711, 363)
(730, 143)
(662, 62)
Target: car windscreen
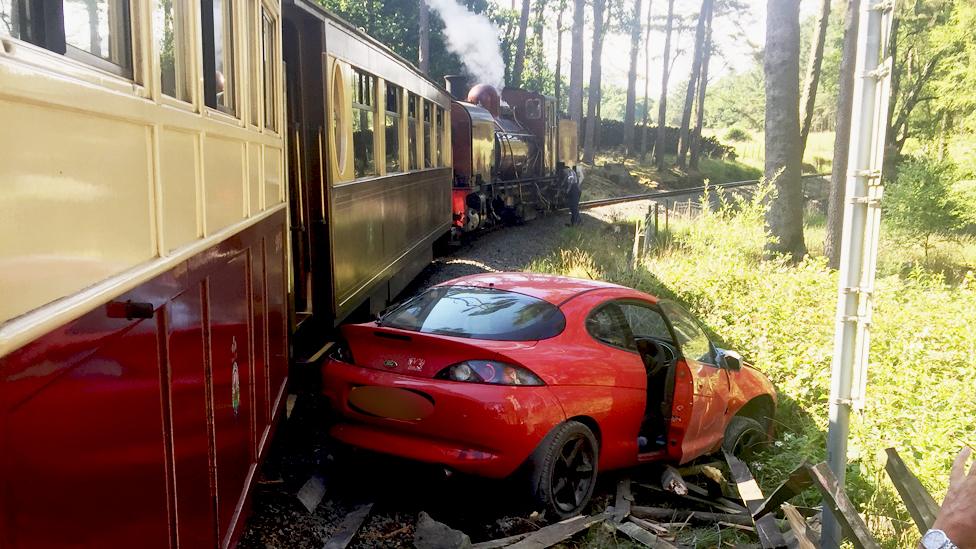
(478, 313)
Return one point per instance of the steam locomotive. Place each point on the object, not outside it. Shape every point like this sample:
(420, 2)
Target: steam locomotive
(507, 150)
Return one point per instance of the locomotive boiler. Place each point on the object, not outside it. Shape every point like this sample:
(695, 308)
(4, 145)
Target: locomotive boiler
(507, 150)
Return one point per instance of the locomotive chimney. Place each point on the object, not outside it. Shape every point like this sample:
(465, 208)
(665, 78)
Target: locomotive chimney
(457, 86)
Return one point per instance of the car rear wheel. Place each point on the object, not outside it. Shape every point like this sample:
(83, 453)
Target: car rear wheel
(744, 437)
(563, 469)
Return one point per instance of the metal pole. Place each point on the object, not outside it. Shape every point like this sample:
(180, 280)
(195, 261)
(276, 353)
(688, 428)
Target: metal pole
(859, 239)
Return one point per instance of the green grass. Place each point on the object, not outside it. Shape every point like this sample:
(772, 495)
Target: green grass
(780, 316)
(817, 156)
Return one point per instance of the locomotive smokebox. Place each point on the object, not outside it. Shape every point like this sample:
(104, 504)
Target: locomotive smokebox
(457, 86)
(487, 97)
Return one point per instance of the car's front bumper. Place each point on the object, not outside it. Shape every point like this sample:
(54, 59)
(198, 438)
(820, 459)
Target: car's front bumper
(486, 430)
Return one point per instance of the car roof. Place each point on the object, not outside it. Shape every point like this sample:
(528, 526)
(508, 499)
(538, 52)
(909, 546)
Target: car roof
(552, 288)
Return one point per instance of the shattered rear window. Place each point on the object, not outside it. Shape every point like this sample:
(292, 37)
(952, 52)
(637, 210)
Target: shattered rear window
(478, 313)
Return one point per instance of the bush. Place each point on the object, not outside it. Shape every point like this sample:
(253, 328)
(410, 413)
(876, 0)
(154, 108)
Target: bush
(736, 135)
(920, 202)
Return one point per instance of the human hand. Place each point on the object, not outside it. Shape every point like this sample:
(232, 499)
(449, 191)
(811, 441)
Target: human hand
(958, 515)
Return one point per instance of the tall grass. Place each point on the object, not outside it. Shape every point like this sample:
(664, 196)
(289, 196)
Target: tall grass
(780, 316)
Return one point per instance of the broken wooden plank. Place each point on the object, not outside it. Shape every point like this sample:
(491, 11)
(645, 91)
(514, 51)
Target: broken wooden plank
(643, 537)
(795, 484)
(290, 404)
(621, 504)
(349, 527)
(692, 470)
(500, 542)
(672, 481)
(917, 499)
(555, 533)
(312, 492)
(722, 504)
(768, 531)
(660, 513)
(650, 526)
(799, 527)
(841, 507)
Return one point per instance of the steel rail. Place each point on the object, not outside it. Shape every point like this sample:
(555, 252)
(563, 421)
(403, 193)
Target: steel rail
(680, 192)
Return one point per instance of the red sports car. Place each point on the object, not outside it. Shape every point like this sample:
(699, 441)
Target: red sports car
(493, 373)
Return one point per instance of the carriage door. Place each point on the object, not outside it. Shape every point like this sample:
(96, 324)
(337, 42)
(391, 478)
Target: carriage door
(700, 384)
(302, 39)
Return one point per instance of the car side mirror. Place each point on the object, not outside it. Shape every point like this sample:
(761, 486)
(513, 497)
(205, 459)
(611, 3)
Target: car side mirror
(731, 360)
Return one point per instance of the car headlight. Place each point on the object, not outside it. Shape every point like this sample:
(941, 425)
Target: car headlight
(489, 371)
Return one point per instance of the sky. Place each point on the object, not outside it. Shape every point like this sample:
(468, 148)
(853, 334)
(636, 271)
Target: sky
(738, 38)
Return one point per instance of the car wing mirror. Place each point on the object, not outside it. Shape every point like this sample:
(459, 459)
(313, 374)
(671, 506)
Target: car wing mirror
(731, 360)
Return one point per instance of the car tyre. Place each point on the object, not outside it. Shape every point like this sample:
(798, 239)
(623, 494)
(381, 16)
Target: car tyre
(563, 469)
(744, 436)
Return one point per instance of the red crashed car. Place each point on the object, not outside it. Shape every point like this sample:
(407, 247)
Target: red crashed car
(486, 374)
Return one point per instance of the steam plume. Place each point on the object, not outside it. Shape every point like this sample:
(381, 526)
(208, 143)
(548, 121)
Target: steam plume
(474, 39)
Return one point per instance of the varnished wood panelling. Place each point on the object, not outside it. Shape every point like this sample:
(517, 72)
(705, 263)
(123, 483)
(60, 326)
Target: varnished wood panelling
(273, 191)
(254, 173)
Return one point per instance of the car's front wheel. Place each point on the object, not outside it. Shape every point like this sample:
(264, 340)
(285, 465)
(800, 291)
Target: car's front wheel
(563, 469)
(744, 436)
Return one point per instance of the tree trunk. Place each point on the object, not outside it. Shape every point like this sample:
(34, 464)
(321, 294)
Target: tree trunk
(576, 65)
(842, 136)
(696, 64)
(424, 46)
(662, 110)
(809, 99)
(559, 56)
(784, 218)
(631, 107)
(647, 80)
(589, 143)
(695, 147)
(516, 80)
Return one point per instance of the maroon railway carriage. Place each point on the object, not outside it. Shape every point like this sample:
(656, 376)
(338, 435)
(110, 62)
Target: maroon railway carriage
(170, 239)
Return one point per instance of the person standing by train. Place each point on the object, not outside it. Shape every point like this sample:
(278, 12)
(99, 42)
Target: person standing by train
(574, 188)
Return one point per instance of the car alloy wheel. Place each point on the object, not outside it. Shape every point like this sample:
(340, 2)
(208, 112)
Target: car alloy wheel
(564, 469)
(744, 437)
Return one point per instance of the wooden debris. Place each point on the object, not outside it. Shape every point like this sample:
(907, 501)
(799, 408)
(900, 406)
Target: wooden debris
(349, 527)
(312, 492)
(799, 527)
(643, 537)
(769, 533)
(672, 481)
(841, 507)
(555, 533)
(737, 526)
(622, 502)
(500, 542)
(651, 526)
(919, 502)
(290, 404)
(796, 483)
(660, 513)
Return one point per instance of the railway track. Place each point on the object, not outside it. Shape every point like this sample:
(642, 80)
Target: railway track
(679, 192)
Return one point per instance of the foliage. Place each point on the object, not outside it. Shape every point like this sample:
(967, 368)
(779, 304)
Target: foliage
(612, 135)
(736, 135)
(780, 316)
(919, 202)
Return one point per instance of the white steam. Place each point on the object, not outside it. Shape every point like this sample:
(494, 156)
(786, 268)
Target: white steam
(473, 38)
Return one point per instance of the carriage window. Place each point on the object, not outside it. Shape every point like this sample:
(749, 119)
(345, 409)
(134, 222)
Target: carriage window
(393, 108)
(170, 25)
(97, 32)
(363, 112)
(269, 44)
(412, 131)
(15, 17)
(428, 150)
(217, 19)
(439, 136)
